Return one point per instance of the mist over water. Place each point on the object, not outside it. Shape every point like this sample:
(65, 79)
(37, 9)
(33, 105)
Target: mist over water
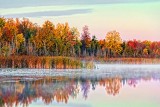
(101, 70)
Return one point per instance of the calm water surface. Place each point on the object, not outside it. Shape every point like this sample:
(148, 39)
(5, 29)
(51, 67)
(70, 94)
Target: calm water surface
(127, 89)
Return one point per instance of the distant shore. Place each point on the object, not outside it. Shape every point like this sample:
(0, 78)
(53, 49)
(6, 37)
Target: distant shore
(128, 60)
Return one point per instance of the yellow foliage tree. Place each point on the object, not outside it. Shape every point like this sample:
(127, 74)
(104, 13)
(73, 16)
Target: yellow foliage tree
(113, 42)
(145, 51)
(19, 41)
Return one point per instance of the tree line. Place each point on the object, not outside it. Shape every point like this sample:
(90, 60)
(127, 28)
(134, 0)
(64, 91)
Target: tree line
(22, 37)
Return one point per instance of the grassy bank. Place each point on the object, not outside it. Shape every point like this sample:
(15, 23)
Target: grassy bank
(59, 62)
(47, 62)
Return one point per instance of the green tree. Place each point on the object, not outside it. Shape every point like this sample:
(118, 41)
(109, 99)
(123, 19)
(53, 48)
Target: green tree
(94, 46)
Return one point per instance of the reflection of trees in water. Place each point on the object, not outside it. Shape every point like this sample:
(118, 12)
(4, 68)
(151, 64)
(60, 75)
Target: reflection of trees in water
(112, 85)
(85, 86)
(27, 95)
(58, 89)
(132, 82)
(16, 93)
(47, 90)
(7, 91)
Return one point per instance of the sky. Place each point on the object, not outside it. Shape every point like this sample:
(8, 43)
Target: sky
(133, 19)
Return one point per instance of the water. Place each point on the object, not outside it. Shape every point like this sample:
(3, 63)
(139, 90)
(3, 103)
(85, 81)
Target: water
(107, 86)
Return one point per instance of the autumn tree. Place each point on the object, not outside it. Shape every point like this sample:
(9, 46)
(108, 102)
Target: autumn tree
(2, 23)
(147, 49)
(19, 41)
(70, 37)
(131, 48)
(62, 34)
(113, 43)
(9, 32)
(27, 28)
(86, 41)
(155, 49)
(76, 41)
(47, 36)
(134, 48)
(59, 40)
(102, 48)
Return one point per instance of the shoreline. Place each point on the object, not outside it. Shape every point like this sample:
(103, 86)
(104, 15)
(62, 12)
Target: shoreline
(68, 63)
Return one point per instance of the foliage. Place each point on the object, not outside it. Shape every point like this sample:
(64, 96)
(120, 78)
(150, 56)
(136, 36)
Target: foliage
(113, 42)
(5, 50)
(22, 37)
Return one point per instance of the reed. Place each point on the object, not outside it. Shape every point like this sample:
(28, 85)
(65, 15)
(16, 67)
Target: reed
(40, 62)
(60, 62)
(89, 65)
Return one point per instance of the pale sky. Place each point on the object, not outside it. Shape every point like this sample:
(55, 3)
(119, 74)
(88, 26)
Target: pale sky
(134, 19)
